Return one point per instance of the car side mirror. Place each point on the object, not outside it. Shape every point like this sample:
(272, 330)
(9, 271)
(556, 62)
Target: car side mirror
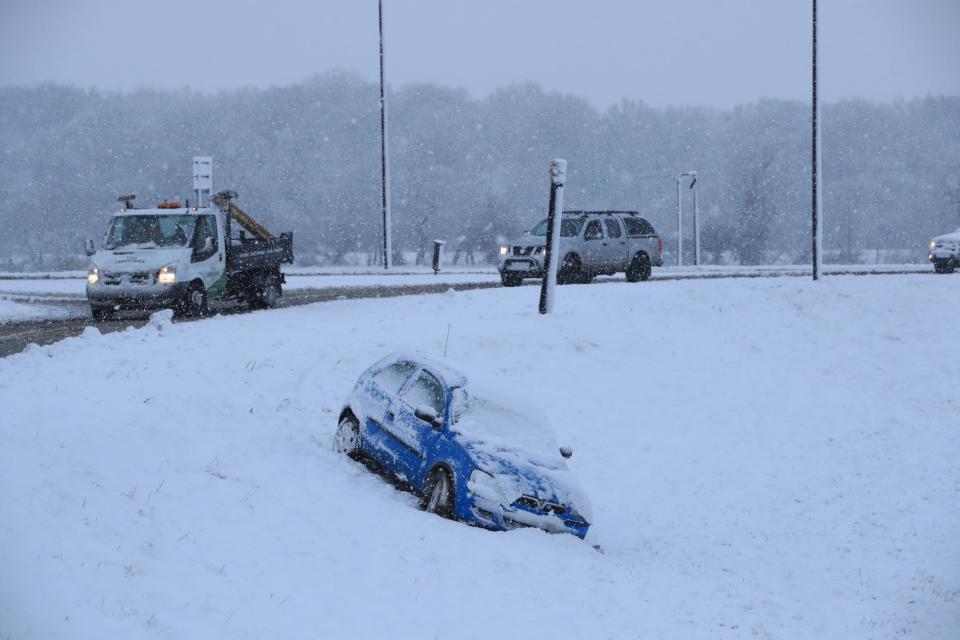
(429, 415)
(566, 452)
(89, 248)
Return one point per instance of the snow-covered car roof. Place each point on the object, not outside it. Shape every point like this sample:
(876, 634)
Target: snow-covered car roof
(451, 376)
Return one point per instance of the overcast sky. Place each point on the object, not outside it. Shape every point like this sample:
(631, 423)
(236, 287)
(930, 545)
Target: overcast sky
(664, 52)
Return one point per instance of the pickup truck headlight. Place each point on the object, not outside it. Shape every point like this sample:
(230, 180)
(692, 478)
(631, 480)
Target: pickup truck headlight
(933, 244)
(93, 275)
(483, 485)
(504, 250)
(167, 274)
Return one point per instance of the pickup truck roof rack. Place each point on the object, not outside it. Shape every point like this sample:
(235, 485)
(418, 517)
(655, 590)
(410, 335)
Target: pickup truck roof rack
(578, 212)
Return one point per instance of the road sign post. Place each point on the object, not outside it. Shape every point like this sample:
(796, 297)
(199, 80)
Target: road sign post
(558, 177)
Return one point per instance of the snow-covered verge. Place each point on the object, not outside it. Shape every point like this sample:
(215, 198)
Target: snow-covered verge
(18, 310)
(769, 458)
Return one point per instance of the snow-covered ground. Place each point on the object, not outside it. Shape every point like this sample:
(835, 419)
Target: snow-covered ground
(767, 458)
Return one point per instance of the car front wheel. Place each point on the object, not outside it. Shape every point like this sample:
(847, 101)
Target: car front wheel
(438, 495)
(511, 279)
(347, 438)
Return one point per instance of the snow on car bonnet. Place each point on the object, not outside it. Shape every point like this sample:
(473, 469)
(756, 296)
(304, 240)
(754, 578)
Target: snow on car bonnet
(481, 416)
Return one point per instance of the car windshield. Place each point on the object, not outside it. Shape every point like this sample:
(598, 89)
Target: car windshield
(486, 421)
(149, 231)
(568, 228)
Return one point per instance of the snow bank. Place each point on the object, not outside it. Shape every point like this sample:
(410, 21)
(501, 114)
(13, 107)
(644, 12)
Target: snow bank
(765, 458)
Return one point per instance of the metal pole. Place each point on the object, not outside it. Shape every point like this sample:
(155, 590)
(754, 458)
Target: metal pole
(696, 222)
(384, 171)
(679, 225)
(816, 203)
(558, 176)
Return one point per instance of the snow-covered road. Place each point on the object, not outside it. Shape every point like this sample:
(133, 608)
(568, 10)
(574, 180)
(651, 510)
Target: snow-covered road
(769, 458)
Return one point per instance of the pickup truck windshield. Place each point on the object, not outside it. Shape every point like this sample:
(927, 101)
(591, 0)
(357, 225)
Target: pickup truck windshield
(568, 228)
(149, 231)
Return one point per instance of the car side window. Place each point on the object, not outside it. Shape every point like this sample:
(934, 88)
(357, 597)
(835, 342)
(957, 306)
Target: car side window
(426, 390)
(613, 228)
(211, 224)
(594, 231)
(637, 227)
(391, 378)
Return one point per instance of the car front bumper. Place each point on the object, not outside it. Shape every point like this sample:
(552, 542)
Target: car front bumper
(530, 266)
(943, 258)
(122, 296)
(491, 515)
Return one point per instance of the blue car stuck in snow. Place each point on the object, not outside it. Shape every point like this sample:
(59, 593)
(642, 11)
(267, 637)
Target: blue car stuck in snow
(468, 456)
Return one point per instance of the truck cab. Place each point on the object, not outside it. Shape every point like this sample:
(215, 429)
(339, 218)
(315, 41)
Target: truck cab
(178, 257)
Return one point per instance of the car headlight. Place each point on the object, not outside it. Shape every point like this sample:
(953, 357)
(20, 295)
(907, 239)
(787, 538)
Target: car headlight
(167, 274)
(542, 250)
(504, 250)
(933, 244)
(483, 485)
(93, 275)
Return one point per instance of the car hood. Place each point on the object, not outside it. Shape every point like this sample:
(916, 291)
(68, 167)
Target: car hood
(527, 240)
(953, 236)
(520, 451)
(132, 260)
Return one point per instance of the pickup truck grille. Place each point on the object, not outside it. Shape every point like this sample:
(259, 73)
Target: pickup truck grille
(522, 251)
(139, 277)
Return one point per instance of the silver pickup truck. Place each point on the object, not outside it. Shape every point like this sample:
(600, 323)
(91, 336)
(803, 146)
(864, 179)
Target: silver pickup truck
(591, 243)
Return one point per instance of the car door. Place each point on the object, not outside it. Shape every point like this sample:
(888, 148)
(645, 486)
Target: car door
(616, 259)
(207, 255)
(380, 393)
(594, 246)
(413, 438)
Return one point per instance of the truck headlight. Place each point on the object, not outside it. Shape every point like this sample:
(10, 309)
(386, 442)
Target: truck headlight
(93, 276)
(167, 274)
(933, 244)
(483, 485)
(504, 250)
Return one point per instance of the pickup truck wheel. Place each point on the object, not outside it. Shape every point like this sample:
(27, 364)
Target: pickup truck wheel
(639, 268)
(943, 267)
(511, 279)
(571, 270)
(438, 493)
(347, 438)
(101, 313)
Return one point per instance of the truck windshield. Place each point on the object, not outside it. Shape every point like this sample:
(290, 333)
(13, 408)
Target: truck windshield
(568, 228)
(150, 231)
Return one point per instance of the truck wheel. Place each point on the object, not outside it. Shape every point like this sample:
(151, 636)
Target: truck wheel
(511, 279)
(571, 270)
(944, 267)
(101, 313)
(194, 303)
(639, 268)
(263, 297)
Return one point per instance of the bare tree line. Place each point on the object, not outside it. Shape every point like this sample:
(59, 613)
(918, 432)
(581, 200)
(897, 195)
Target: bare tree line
(473, 170)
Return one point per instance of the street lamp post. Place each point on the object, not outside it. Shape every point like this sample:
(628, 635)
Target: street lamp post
(384, 164)
(817, 198)
(696, 218)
